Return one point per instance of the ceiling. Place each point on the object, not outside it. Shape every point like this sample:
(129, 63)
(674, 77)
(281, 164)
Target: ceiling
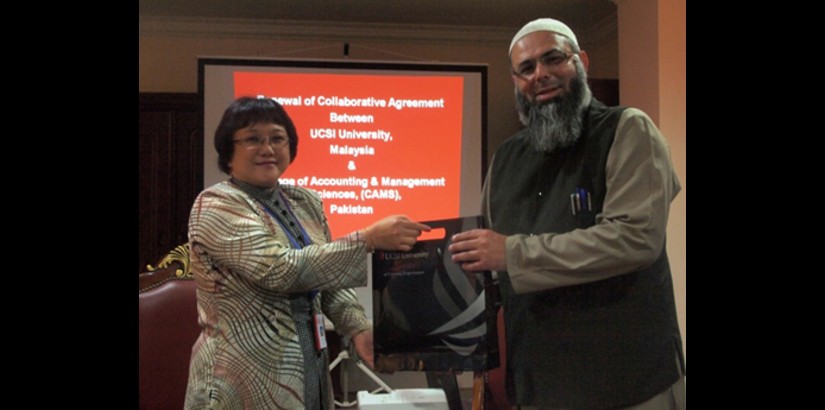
(578, 14)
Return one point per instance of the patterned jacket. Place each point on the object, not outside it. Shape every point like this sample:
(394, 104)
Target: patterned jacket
(248, 354)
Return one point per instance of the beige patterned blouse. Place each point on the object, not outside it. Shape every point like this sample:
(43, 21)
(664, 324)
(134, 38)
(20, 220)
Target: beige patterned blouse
(248, 354)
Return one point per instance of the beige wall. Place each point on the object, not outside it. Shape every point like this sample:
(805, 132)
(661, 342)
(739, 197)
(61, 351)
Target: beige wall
(673, 122)
(652, 73)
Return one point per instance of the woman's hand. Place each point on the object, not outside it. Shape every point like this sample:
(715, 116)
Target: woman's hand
(362, 341)
(394, 233)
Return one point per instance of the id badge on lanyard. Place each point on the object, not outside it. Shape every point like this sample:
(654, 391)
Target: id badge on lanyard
(320, 332)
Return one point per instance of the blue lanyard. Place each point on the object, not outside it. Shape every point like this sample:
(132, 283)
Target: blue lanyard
(292, 239)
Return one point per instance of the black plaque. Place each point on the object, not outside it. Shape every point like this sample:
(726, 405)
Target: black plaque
(429, 314)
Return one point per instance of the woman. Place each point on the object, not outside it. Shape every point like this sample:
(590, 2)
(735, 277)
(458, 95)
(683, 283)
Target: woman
(266, 268)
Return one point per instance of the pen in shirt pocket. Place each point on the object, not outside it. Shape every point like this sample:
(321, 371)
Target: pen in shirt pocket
(580, 199)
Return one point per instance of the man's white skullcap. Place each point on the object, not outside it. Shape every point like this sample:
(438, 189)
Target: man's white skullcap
(544, 24)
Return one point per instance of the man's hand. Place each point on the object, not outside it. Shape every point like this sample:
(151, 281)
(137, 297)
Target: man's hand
(479, 249)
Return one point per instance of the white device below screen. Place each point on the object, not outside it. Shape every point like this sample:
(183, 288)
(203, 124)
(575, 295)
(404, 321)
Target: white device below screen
(404, 399)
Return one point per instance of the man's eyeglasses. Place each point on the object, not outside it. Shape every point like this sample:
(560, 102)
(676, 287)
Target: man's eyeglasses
(551, 60)
(253, 142)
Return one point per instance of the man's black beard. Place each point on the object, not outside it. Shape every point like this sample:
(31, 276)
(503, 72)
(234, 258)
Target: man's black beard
(558, 123)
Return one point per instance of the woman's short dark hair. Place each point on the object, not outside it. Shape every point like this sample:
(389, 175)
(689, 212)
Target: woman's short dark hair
(247, 111)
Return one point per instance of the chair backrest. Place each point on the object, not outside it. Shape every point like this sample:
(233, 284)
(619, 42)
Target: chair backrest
(168, 325)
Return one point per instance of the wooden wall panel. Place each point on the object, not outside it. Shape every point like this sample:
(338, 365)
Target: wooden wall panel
(170, 170)
(605, 90)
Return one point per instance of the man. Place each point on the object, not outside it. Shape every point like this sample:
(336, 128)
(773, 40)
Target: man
(577, 203)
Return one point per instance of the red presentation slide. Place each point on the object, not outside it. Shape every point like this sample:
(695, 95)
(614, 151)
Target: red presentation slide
(371, 146)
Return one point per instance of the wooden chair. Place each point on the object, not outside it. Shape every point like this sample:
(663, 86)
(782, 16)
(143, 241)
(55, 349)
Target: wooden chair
(488, 386)
(168, 327)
